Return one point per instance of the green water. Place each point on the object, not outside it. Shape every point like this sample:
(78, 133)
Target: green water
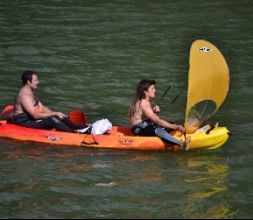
(90, 55)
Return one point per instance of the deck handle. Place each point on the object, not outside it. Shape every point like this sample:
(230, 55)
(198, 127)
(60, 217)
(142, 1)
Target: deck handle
(89, 143)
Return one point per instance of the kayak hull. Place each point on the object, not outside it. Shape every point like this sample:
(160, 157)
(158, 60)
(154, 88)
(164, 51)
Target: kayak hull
(118, 138)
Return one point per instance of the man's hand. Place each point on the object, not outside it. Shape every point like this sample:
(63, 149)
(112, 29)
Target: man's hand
(60, 115)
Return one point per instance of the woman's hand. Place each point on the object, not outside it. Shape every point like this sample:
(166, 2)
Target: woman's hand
(181, 128)
(156, 108)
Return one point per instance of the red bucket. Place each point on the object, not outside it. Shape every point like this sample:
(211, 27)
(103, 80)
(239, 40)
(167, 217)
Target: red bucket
(77, 117)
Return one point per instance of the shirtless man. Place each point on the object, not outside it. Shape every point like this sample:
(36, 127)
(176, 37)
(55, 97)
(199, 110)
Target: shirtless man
(30, 112)
(145, 121)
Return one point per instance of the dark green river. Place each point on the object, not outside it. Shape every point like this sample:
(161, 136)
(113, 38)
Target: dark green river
(90, 55)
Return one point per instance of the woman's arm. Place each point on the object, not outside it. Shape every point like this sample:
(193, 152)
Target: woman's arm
(150, 114)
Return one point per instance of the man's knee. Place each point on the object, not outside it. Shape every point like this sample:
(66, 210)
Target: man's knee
(58, 124)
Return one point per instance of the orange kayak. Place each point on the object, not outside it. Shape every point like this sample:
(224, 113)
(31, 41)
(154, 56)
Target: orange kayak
(117, 138)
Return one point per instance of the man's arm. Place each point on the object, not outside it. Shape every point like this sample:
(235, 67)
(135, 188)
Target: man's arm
(27, 104)
(44, 108)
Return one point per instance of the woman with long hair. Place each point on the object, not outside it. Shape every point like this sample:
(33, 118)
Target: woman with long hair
(144, 119)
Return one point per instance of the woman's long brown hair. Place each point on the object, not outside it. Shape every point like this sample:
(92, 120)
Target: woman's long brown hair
(142, 86)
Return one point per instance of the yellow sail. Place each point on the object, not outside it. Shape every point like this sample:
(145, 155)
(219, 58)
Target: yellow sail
(208, 83)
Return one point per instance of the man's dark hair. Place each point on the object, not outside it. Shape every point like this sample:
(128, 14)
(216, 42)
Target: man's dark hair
(27, 76)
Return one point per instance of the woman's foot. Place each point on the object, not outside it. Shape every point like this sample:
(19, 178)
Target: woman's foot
(185, 144)
(216, 125)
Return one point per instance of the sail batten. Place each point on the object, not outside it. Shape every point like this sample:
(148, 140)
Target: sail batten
(208, 83)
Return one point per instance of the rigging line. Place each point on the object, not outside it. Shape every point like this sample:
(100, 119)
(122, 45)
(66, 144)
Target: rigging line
(165, 93)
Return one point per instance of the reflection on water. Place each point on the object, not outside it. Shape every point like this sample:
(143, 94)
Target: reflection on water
(209, 176)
